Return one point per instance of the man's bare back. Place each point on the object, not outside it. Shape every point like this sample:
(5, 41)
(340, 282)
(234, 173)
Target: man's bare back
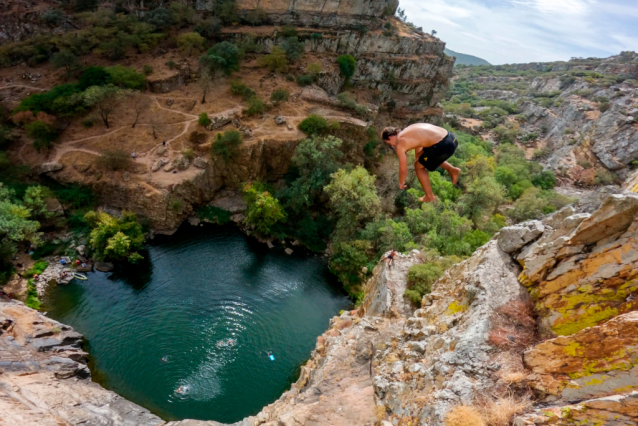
(422, 138)
(420, 135)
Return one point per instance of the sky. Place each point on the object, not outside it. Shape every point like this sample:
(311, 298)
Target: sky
(521, 31)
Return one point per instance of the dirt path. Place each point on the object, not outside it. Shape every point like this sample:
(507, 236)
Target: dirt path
(23, 86)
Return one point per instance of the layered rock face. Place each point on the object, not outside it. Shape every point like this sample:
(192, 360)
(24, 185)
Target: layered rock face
(44, 380)
(545, 314)
(583, 112)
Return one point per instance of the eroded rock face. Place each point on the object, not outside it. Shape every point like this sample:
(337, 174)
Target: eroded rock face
(445, 354)
(582, 271)
(44, 379)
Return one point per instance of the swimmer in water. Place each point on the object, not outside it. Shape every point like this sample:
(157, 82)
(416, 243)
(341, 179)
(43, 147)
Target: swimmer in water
(165, 359)
(181, 389)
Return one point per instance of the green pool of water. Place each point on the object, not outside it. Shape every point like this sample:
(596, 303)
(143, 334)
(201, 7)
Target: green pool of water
(212, 302)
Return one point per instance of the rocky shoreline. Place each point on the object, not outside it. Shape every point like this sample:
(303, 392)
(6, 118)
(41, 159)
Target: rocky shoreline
(544, 313)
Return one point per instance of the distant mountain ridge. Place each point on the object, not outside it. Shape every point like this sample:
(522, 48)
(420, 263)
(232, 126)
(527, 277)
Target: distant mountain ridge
(463, 59)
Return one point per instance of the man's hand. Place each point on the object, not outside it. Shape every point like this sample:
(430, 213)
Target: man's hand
(402, 185)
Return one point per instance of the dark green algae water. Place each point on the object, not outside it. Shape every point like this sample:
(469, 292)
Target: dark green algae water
(213, 302)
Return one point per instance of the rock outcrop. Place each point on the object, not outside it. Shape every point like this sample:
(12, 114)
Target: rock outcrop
(44, 380)
(545, 313)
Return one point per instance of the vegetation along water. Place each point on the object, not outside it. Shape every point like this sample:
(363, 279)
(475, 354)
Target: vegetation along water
(200, 313)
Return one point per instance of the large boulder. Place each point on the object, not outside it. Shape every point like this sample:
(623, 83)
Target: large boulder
(513, 238)
(50, 167)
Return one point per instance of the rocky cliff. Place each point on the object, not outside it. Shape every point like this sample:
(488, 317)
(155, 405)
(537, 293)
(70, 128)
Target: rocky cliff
(539, 326)
(44, 379)
(578, 116)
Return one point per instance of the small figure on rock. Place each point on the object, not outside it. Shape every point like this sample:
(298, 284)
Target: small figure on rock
(390, 258)
(432, 146)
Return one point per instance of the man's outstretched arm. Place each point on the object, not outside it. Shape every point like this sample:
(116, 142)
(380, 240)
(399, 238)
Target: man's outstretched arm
(403, 168)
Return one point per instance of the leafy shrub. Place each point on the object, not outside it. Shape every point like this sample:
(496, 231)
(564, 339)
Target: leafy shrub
(214, 214)
(115, 238)
(293, 48)
(316, 36)
(605, 177)
(190, 43)
(171, 64)
(210, 28)
(314, 68)
(67, 60)
(227, 144)
(160, 18)
(147, 70)
(203, 120)
(530, 137)
(239, 88)
(42, 133)
(275, 61)
(189, 154)
(420, 280)
(94, 76)
(278, 96)
(347, 65)
(53, 18)
(348, 259)
(314, 125)
(223, 56)
(305, 80)
(264, 210)
(347, 101)
(126, 78)
(114, 160)
(255, 106)
(288, 31)
(544, 180)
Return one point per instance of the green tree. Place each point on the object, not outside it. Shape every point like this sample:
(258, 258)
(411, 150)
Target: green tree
(227, 11)
(293, 48)
(353, 199)
(348, 260)
(274, 61)
(115, 238)
(105, 99)
(420, 280)
(35, 200)
(314, 125)
(67, 60)
(315, 159)
(347, 65)
(255, 106)
(203, 120)
(94, 76)
(126, 78)
(210, 28)
(160, 18)
(257, 16)
(42, 133)
(227, 145)
(481, 198)
(191, 43)
(278, 96)
(16, 224)
(222, 57)
(264, 211)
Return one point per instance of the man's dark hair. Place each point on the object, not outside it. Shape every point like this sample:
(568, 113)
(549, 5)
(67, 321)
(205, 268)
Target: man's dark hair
(389, 131)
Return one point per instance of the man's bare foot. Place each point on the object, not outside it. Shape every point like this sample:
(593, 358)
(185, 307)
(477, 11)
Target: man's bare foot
(426, 199)
(455, 175)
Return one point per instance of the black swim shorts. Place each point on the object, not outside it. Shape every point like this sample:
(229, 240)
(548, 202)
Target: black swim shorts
(437, 154)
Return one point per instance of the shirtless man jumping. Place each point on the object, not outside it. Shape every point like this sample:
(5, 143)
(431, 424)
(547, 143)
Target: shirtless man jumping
(432, 145)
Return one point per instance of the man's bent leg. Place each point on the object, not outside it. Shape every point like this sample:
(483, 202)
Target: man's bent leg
(424, 180)
(453, 171)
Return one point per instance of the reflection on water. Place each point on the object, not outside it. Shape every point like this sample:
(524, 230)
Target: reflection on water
(187, 333)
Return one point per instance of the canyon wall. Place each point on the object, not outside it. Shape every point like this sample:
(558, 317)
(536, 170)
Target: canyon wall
(543, 318)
